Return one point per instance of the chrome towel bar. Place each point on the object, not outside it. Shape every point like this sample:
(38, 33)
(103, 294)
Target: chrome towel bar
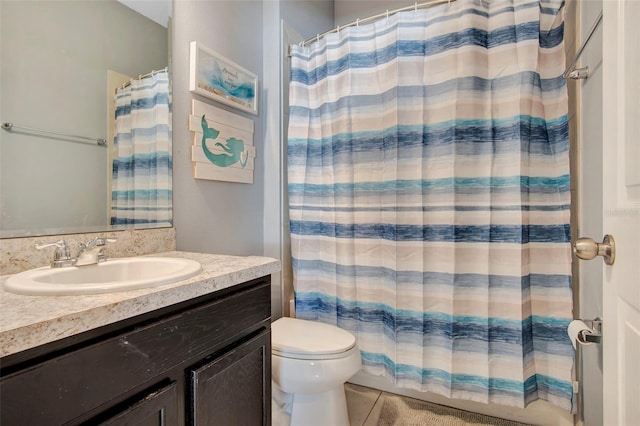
(581, 73)
(10, 126)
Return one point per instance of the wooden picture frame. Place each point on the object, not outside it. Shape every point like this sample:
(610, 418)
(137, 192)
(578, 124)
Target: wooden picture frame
(216, 77)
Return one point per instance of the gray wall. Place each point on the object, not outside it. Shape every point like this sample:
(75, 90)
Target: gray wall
(308, 17)
(347, 11)
(55, 57)
(233, 218)
(214, 216)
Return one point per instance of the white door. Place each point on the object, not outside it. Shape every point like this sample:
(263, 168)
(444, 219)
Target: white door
(621, 211)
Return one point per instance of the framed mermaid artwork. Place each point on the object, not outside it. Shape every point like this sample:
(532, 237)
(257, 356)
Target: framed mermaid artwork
(216, 77)
(222, 147)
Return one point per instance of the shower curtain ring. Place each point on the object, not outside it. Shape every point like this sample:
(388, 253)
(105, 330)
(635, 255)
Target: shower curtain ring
(317, 37)
(358, 22)
(387, 15)
(415, 7)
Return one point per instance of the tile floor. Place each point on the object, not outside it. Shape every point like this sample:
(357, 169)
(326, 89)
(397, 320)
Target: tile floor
(364, 404)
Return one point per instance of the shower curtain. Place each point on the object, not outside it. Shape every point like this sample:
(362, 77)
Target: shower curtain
(428, 177)
(141, 179)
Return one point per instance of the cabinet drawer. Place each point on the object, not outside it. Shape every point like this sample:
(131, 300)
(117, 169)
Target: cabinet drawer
(96, 376)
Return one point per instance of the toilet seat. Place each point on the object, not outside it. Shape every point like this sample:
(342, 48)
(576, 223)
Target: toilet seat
(303, 339)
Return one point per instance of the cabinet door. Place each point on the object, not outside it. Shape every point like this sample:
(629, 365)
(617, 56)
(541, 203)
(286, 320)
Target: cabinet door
(159, 408)
(234, 388)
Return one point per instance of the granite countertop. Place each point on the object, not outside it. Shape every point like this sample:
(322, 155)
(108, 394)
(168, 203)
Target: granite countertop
(30, 321)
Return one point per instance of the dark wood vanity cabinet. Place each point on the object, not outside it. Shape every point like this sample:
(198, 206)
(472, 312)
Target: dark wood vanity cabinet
(206, 361)
(229, 389)
(157, 408)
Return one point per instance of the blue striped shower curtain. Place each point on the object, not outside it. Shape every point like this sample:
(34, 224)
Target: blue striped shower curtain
(428, 175)
(141, 189)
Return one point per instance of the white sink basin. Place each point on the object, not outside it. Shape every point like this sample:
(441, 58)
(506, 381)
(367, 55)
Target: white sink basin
(107, 277)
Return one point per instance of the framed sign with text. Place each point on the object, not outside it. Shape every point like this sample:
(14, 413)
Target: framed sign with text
(222, 80)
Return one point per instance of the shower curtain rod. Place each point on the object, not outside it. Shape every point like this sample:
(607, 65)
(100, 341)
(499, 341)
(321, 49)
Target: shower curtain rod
(141, 76)
(357, 22)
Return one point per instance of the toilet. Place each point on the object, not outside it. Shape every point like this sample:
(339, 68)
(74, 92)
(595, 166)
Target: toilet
(311, 361)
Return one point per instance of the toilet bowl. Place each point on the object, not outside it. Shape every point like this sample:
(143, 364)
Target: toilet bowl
(311, 361)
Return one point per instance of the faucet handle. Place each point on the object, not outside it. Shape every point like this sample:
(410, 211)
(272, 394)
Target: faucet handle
(62, 249)
(96, 242)
(61, 256)
(101, 257)
(100, 241)
(93, 251)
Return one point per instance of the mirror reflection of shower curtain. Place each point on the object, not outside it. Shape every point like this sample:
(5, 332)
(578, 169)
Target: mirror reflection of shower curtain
(428, 175)
(141, 187)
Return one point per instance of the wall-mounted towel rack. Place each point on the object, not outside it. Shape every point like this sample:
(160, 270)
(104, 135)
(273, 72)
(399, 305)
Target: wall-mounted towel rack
(581, 73)
(10, 126)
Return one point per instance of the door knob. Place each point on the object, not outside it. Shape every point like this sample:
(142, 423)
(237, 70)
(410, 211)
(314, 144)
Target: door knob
(588, 248)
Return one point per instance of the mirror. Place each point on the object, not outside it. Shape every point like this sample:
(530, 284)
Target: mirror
(56, 56)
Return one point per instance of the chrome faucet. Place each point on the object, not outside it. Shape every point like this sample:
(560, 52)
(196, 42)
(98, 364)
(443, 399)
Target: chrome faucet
(90, 253)
(62, 255)
(93, 251)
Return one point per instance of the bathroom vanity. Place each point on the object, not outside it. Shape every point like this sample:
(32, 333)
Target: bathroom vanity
(193, 352)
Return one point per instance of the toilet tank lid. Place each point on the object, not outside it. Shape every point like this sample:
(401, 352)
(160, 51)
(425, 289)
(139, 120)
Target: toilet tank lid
(293, 335)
